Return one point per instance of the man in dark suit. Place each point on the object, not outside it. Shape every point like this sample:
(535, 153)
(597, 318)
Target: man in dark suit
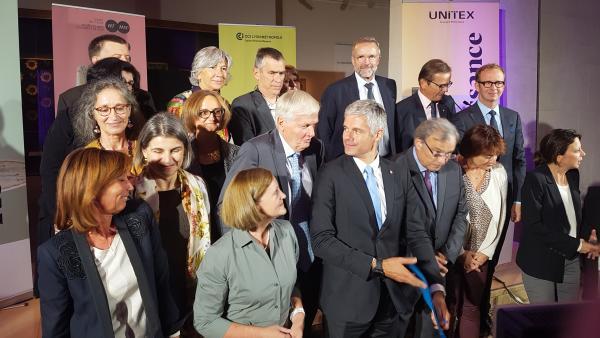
(429, 101)
(293, 155)
(439, 185)
(361, 85)
(490, 85)
(252, 113)
(361, 227)
(60, 140)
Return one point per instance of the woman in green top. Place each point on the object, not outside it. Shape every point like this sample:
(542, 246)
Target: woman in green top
(247, 280)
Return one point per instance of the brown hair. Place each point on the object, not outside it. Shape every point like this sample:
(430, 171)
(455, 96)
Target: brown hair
(98, 42)
(487, 67)
(83, 175)
(431, 67)
(481, 140)
(240, 209)
(193, 104)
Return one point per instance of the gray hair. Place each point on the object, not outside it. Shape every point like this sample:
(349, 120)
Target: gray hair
(208, 57)
(294, 103)
(83, 119)
(440, 127)
(265, 52)
(166, 125)
(373, 111)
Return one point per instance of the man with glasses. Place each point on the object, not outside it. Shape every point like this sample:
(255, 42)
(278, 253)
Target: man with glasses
(428, 102)
(363, 84)
(438, 182)
(490, 84)
(252, 114)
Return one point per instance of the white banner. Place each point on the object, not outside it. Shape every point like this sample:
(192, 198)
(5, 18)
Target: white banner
(465, 35)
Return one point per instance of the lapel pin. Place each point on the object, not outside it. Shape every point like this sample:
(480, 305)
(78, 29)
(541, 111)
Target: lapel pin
(391, 172)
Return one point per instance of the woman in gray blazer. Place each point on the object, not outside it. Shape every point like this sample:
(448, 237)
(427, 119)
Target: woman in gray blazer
(247, 280)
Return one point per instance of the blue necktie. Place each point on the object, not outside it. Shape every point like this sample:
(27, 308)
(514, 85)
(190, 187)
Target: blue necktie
(372, 186)
(300, 210)
(493, 122)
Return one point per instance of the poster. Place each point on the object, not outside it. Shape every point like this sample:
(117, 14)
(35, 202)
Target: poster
(242, 42)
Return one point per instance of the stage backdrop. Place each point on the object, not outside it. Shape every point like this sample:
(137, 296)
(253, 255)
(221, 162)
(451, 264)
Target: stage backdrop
(242, 42)
(72, 30)
(465, 35)
(15, 260)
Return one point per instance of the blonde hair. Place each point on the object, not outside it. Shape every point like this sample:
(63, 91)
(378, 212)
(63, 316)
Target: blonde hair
(240, 202)
(83, 175)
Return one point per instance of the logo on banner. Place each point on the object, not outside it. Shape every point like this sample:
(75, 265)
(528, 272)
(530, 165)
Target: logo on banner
(121, 26)
(452, 16)
(265, 38)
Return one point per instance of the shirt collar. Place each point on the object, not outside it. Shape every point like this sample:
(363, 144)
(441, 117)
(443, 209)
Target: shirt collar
(361, 82)
(286, 147)
(362, 165)
(242, 238)
(485, 109)
(421, 167)
(424, 100)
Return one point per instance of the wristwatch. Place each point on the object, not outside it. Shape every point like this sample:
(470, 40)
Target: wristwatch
(378, 269)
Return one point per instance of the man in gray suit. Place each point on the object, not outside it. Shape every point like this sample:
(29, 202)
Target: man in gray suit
(439, 185)
(252, 113)
(293, 155)
(490, 81)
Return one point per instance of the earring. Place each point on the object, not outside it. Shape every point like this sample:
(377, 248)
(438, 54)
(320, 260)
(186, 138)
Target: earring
(96, 129)
(145, 160)
(129, 124)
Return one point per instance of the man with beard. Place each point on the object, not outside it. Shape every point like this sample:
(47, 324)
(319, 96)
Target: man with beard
(362, 85)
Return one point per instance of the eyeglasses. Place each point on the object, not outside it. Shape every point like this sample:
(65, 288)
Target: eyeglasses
(205, 113)
(438, 154)
(488, 84)
(120, 109)
(444, 86)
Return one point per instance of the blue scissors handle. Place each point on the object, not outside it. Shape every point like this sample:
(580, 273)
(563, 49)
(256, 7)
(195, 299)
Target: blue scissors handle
(427, 296)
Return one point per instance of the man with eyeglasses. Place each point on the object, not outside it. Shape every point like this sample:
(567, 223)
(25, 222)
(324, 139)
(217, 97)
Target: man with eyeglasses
(363, 84)
(438, 181)
(252, 114)
(490, 84)
(428, 102)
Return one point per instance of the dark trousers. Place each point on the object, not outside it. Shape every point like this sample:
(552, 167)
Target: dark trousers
(384, 324)
(469, 293)
(310, 287)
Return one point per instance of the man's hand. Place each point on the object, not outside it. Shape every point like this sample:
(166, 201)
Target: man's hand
(297, 325)
(394, 269)
(515, 212)
(275, 331)
(439, 304)
(442, 262)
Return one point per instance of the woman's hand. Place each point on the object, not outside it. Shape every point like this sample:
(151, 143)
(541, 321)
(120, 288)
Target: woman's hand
(470, 263)
(275, 331)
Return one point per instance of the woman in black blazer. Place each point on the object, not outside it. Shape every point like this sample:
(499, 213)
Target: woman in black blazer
(104, 274)
(550, 245)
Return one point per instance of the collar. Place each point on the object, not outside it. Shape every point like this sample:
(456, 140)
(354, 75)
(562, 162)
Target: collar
(286, 147)
(485, 109)
(243, 238)
(361, 82)
(362, 165)
(421, 167)
(424, 100)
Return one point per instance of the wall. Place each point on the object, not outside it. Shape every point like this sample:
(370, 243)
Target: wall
(569, 75)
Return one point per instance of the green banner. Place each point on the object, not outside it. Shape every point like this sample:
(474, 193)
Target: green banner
(242, 42)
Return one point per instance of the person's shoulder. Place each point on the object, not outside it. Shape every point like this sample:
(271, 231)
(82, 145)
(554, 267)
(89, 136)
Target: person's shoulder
(407, 102)
(242, 99)
(385, 80)
(283, 226)
(508, 111)
(337, 85)
(73, 92)
(138, 216)
(57, 243)
(499, 171)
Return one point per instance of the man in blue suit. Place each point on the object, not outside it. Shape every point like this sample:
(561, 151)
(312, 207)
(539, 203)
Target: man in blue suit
(363, 84)
(490, 86)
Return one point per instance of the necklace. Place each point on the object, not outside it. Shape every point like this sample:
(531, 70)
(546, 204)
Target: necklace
(129, 147)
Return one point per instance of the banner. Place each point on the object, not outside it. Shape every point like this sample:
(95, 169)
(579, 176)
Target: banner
(15, 257)
(242, 42)
(72, 30)
(464, 35)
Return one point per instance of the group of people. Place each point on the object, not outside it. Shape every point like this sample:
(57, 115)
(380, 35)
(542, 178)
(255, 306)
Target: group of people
(244, 220)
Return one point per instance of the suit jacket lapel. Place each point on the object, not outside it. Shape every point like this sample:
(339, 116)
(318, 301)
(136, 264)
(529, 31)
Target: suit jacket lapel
(357, 179)
(279, 159)
(554, 193)
(417, 179)
(263, 108)
(95, 283)
(476, 114)
(419, 110)
(140, 273)
(387, 174)
(507, 125)
(310, 159)
(390, 106)
(575, 196)
(442, 175)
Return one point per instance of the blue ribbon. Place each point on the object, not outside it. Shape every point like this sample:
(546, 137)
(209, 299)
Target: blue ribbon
(427, 296)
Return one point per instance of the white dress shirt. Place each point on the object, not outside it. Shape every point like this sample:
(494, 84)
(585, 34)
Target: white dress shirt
(378, 178)
(384, 148)
(427, 105)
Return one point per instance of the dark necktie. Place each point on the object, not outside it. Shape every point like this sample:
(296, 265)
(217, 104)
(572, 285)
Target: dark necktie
(433, 109)
(493, 122)
(299, 216)
(370, 95)
(427, 180)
